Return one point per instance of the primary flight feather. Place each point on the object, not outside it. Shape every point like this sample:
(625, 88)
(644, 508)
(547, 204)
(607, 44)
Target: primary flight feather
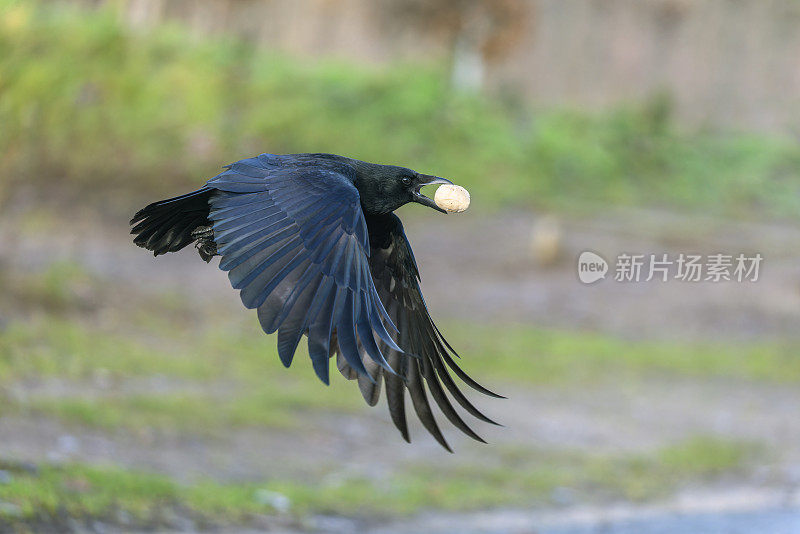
(312, 243)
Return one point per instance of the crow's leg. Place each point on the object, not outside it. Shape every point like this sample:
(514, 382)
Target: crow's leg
(205, 245)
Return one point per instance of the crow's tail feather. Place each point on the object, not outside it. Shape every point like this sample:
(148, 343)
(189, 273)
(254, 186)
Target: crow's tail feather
(166, 226)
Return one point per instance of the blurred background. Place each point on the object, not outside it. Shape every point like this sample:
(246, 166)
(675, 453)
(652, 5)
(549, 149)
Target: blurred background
(138, 394)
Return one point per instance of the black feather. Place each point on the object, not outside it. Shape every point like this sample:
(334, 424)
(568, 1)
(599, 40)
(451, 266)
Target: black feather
(166, 226)
(311, 242)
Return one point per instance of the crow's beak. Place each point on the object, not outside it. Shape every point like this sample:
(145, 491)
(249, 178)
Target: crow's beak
(427, 179)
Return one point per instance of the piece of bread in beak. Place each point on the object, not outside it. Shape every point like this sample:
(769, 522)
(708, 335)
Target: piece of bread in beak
(452, 198)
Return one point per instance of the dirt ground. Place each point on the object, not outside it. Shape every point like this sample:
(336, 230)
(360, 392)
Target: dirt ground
(490, 267)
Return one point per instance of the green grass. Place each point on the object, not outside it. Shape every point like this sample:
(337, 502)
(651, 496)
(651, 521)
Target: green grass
(523, 477)
(85, 493)
(131, 364)
(172, 412)
(63, 286)
(528, 355)
(93, 110)
(229, 375)
(54, 346)
(215, 381)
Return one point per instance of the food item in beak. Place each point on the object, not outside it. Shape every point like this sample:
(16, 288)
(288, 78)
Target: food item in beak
(452, 198)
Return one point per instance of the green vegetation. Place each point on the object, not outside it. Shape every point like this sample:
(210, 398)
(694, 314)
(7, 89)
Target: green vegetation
(519, 478)
(251, 387)
(230, 376)
(540, 356)
(63, 286)
(525, 477)
(48, 494)
(89, 107)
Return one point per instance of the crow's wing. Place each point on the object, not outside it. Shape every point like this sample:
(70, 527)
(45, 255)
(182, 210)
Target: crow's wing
(294, 242)
(396, 276)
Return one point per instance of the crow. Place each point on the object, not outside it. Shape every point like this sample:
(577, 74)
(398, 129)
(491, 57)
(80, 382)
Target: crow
(312, 243)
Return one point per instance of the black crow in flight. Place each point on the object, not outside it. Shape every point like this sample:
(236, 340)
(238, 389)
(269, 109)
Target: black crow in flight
(311, 242)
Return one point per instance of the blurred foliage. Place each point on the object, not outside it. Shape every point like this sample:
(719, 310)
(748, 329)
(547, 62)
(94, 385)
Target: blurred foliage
(162, 370)
(43, 496)
(90, 106)
(63, 286)
(532, 355)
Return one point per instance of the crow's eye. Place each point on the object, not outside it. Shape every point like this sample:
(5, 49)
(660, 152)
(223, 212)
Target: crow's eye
(406, 180)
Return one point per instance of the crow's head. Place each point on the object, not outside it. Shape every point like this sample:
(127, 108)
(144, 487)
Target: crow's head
(384, 188)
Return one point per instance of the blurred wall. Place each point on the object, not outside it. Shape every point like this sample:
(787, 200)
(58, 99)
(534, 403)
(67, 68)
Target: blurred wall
(726, 64)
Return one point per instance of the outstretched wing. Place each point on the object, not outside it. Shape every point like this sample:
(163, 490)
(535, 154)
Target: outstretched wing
(396, 276)
(294, 242)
